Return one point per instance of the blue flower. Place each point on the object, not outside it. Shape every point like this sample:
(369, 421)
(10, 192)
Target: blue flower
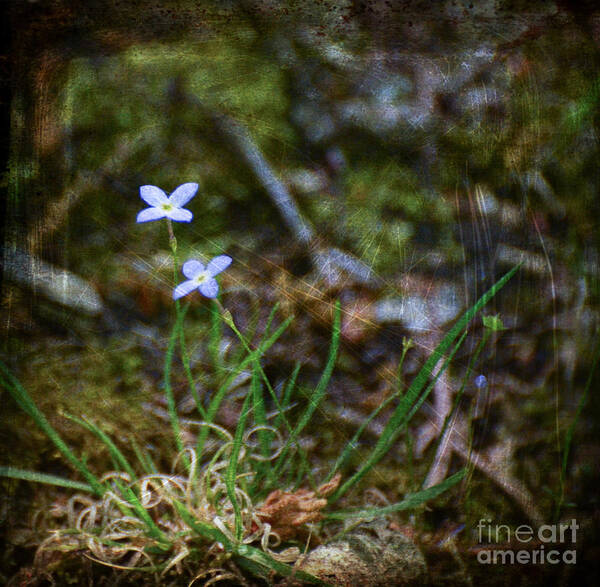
(202, 278)
(164, 206)
(480, 381)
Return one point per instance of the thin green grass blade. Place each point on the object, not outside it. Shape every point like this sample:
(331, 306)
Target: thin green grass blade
(144, 459)
(412, 501)
(117, 456)
(274, 479)
(417, 405)
(185, 359)
(352, 444)
(260, 411)
(15, 473)
(206, 531)
(287, 393)
(486, 336)
(247, 360)
(261, 558)
(257, 368)
(285, 462)
(23, 399)
(178, 334)
(260, 414)
(270, 319)
(238, 355)
(281, 419)
(407, 344)
(253, 568)
(264, 436)
(231, 473)
(219, 396)
(394, 427)
(153, 530)
(215, 338)
(319, 392)
(256, 556)
(302, 472)
(444, 345)
(410, 453)
(413, 398)
(171, 407)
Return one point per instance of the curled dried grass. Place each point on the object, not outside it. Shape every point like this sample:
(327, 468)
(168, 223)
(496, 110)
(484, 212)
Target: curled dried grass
(109, 535)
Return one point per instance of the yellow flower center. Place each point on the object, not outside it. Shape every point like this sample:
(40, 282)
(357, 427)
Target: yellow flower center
(167, 207)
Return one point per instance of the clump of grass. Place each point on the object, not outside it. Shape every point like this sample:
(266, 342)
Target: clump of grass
(156, 521)
(210, 511)
(233, 500)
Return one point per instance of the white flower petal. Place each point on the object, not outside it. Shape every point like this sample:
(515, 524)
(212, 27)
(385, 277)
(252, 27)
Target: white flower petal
(210, 288)
(183, 194)
(218, 264)
(153, 195)
(150, 214)
(183, 289)
(179, 215)
(191, 268)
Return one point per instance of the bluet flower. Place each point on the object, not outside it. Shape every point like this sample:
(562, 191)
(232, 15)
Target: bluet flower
(163, 206)
(202, 278)
(480, 381)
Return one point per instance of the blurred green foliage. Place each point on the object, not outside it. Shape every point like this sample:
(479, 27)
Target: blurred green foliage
(123, 109)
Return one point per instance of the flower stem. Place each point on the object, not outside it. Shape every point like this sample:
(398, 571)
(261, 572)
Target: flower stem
(172, 242)
(171, 406)
(179, 324)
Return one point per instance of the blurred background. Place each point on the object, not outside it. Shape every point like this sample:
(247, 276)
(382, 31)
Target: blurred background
(397, 156)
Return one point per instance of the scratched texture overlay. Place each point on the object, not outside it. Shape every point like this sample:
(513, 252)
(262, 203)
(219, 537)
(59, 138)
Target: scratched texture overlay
(397, 156)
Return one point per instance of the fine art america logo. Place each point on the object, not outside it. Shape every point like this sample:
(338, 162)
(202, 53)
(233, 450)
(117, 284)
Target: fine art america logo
(549, 544)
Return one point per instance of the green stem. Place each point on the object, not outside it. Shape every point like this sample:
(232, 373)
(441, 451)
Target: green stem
(171, 407)
(186, 361)
(179, 310)
(216, 335)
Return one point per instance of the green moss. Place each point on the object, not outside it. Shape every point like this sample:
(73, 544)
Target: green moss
(385, 206)
(104, 382)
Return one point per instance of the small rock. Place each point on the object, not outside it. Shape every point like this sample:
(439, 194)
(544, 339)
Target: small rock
(54, 283)
(367, 560)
